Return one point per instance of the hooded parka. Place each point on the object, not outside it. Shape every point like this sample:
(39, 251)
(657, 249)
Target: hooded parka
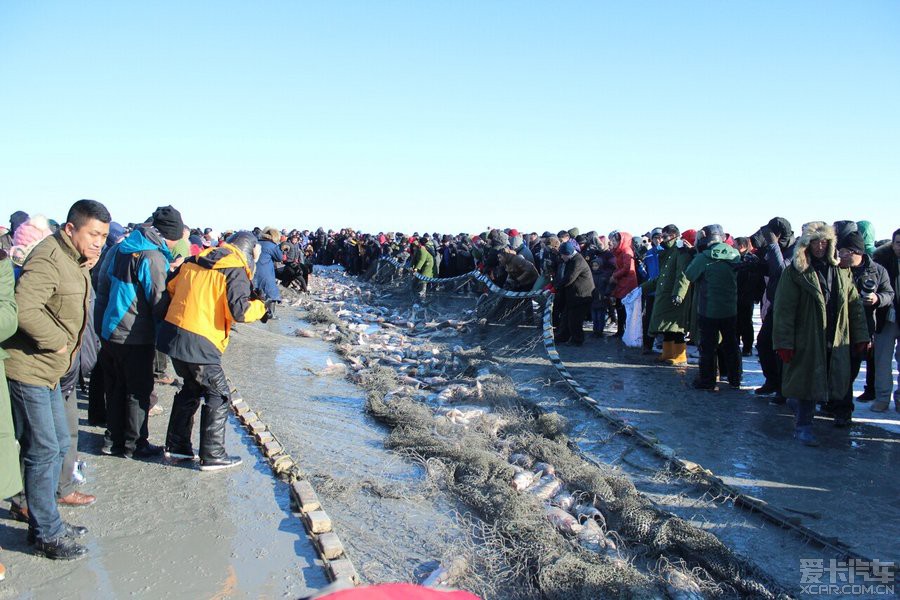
(668, 317)
(800, 323)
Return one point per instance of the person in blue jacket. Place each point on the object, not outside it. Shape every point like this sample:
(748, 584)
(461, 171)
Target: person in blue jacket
(264, 279)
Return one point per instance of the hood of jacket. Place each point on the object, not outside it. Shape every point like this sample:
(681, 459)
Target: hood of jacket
(817, 230)
(144, 238)
(868, 235)
(624, 242)
(722, 251)
(225, 256)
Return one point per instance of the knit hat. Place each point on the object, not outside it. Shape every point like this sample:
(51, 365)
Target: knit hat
(655, 231)
(16, 219)
(546, 234)
(852, 241)
(574, 232)
(168, 222)
(32, 230)
(116, 233)
(513, 233)
(567, 249)
(690, 236)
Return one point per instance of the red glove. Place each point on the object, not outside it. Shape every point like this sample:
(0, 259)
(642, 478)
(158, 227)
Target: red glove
(549, 288)
(786, 355)
(861, 348)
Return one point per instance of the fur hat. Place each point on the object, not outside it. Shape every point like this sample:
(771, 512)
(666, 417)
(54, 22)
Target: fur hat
(271, 234)
(816, 230)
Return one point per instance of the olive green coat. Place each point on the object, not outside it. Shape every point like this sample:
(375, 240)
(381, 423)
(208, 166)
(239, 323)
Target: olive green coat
(10, 473)
(53, 296)
(666, 316)
(799, 325)
(423, 262)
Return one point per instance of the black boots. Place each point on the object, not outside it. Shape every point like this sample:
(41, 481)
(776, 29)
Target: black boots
(212, 438)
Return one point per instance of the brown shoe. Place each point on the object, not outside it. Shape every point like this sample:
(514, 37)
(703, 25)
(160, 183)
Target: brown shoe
(19, 513)
(77, 499)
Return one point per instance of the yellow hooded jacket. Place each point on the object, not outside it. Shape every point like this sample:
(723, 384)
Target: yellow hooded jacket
(210, 292)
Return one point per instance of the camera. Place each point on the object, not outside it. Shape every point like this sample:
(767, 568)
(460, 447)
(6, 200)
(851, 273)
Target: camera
(869, 286)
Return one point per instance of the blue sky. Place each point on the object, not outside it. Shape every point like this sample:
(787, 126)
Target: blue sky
(452, 116)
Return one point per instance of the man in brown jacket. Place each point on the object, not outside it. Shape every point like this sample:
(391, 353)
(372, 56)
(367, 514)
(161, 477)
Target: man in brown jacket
(53, 296)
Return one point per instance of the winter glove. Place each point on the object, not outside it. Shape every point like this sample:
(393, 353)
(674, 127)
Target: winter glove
(785, 354)
(677, 300)
(860, 348)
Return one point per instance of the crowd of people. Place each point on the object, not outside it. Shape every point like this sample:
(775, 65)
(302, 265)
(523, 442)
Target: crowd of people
(92, 303)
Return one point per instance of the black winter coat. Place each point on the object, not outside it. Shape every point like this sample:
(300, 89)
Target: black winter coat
(577, 283)
(885, 257)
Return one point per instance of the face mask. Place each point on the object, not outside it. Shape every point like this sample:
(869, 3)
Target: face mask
(679, 243)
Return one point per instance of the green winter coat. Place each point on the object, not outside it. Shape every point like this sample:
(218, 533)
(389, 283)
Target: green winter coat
(423, 263)
(10, 473)
(666, 316)
(53, 296)
(715, 281)
(799, 325)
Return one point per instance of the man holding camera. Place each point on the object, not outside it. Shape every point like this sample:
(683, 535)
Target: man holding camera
(210, 292)
(874, 287)
(887, 330)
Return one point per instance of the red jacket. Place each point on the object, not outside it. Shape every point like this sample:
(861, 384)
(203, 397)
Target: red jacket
(625, 274)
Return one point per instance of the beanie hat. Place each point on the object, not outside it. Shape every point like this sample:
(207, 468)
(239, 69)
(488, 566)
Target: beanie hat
(16, 219)
(168, 222)
(690, 236)
(513, 233)
(32, 230)
(780, 226)
(567, 249)
(852, 241)
(116, 233)
(574, 232)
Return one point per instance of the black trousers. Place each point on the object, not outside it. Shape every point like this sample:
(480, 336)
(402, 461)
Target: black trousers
(571, 322)
(205, 381)
(843, 408)
(128, 373)
(710, 330)
(97, 396)
(768, 360)
(648, 302)
(745, 325)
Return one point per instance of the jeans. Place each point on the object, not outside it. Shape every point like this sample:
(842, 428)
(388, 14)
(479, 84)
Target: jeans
(804, 410)
(887, 349)
(39, 415)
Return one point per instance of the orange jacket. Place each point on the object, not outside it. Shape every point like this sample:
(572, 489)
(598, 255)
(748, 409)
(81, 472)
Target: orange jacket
(209, 293)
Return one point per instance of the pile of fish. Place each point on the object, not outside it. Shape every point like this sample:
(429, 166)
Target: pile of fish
(571, 516)
(407, 341)
(414, 347)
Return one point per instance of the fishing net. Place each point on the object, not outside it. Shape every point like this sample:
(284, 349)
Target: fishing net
(474, 460)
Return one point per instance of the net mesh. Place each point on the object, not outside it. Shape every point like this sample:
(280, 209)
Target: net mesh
(656, 552)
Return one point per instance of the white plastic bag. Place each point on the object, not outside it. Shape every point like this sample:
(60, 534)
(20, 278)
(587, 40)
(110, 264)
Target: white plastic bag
(634, 333)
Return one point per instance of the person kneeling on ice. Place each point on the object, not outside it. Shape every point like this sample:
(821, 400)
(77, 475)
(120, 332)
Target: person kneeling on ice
(209, 293)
